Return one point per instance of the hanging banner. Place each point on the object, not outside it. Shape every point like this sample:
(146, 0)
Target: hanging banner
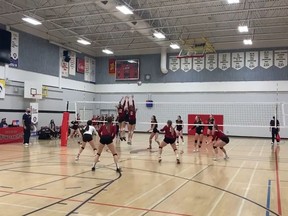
(80, 65)
(34, 112)
(14, 49)
(111, 66)
(224, 61)
(238, 60)
(186, 64)
(72, 63)
(93, 70)
(2, 88)
(252, 59)
(174, 64)
(87, 70)
(211, 62)
(198, 64)
(280, 58)
(64, 66)
(266, 59)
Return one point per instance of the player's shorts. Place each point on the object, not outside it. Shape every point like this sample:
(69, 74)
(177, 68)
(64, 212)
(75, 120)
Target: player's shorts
(121, 119)
(117, 129)
(169, 140)
(106, 140)
(132, 121)
(87, 138)
(126, 118)
(179, 128)
(75, 127)
(155, 130)
(199, 131)
(225, 139)
(210, 127)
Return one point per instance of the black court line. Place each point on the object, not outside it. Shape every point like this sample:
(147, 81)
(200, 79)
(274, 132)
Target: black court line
(208, 185)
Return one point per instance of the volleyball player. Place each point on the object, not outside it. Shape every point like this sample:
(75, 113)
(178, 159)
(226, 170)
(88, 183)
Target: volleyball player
(219, 140)
(274, 129)
(154, 132)
(89, 130)
(169, 138)
(210, 122)
(132, 120)
(75, 127)
(198, 125)
(179, 129)
(121, 118)
(107, 134)
(94, 122)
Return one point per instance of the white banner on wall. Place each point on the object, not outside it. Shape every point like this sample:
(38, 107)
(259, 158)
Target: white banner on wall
(252, 59)
(64, 66)
(174, 64)
(211, 62)
(198, 64)
(34, 112)
(186, 64)
(280, 58)
(224, 61)
(266, 59)
(238, 60)
(93, 70)
(87, 71)
(72, 63)
(2, 88)
(14, 49)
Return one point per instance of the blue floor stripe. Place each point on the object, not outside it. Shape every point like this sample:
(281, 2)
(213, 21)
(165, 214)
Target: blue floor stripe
(268, 198)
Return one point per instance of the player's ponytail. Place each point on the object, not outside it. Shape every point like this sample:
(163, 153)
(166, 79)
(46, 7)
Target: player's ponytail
(89, 122)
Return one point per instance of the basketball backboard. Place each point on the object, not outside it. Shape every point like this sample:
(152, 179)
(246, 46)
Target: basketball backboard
(32, 90)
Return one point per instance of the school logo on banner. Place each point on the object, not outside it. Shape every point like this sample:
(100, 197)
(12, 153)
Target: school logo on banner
(14, 49)
(2, 88)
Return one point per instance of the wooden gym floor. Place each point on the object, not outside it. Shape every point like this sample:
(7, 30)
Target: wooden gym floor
(44, 179)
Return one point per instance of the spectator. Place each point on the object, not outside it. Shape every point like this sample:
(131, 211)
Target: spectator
(26, 121)
(3, 123)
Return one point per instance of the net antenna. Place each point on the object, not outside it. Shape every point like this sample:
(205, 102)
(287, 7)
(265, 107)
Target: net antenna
(193, 48)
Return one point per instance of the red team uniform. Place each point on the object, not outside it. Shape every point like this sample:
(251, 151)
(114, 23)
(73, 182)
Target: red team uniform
(170, 134)
(220, 135)
(107, 136)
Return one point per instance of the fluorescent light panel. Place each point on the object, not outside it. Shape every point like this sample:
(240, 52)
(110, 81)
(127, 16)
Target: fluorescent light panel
(107, 51)
(233, 1)
(124, 9)
(243, 28)
(159, 35)
(84, 42)
(248, 42)
(174, 46)
(31, 21)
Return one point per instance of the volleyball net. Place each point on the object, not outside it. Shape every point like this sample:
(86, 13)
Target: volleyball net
(238, 119)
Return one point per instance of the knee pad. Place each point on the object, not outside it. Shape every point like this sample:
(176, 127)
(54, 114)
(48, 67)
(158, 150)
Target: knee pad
(115, 154)
(95, 149)
(221, 147)
(208, 135)
(199, 146)
(98, 154)
(160, 147)
(214, 147)
(181, 137)
(175, 149)
(82, 147)
(195, 141)
(177, 137)
(200, 142)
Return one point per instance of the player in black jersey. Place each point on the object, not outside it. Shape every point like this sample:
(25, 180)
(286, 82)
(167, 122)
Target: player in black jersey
(154, 131)
(198, 125)
(179, 129)
(210, 122)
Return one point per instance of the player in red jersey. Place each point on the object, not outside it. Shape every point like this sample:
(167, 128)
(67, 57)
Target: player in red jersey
(107, 134)
(121, 117)
(94, 122)
(132, 120)
(210, 122)
(169, 138)
(154, 131)
(198, 125)
(219, 140)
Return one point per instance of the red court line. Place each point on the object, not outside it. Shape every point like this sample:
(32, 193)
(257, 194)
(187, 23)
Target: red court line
(278, 181)
(97, 203)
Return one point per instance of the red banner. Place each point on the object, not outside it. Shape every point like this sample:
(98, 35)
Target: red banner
(112, 66)
(80, 65)
(11, 135)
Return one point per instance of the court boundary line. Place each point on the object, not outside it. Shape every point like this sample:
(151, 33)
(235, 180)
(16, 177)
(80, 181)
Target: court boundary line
(276, 151)
(268, 197)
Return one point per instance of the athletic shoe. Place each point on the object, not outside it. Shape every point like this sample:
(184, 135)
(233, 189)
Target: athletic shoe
(121, 139)
(124, 138)
(77, 158)
(194, 150)
(272, 143)
(215, 158)
(26, 144)
(178, 161)
(119, 170)
(93, 169)
(197, 150)
(181, 152)
(129, 143)
(226, 157)
(159, 160)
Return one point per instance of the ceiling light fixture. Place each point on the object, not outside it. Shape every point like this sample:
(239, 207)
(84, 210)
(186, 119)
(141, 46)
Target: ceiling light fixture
(247, 41)
(174, 46)
(233, 1)
(159, 35)
(124, 9)
(31, 21)
(84, 42)
(107, 51)
(243, 28)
